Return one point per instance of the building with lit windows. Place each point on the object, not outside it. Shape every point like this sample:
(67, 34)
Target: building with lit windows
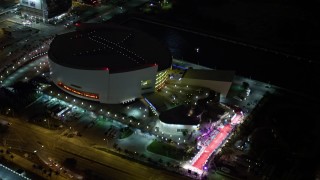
(44, 9)
(108, 63)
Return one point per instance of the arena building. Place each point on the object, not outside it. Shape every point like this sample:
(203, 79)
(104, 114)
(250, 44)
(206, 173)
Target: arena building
(108, 63)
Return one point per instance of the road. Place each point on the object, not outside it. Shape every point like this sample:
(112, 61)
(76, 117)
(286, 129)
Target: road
(215, 143)
(59, 147)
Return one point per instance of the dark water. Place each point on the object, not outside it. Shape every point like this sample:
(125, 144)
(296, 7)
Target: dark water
(279, 70)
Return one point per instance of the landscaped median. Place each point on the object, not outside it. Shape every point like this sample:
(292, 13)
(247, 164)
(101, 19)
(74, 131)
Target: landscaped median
(125, 132)
(166, 149)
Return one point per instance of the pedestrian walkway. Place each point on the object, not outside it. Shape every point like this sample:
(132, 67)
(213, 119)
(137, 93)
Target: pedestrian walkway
(28, 165)
(7, 173)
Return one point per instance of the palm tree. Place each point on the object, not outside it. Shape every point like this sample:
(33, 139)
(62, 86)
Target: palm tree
(119, 149)
(142, 156)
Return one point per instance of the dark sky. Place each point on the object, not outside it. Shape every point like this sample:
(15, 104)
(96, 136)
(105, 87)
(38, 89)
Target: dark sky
(291, 26)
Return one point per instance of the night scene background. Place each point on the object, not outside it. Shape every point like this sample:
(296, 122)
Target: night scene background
(271, 45)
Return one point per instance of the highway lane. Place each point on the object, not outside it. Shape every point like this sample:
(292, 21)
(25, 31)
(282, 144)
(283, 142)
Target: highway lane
(60, 147)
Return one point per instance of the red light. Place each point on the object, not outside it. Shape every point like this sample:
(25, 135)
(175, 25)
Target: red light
(77, 24)
(105, 69)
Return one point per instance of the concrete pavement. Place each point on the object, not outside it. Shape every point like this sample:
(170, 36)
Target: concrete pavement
(28, 165)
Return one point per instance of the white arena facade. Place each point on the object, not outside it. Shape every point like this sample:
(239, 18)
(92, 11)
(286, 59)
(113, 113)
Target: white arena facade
(109, 64)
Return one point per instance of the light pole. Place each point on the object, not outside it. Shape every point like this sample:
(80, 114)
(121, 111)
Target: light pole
(197, 52)
(105, 139)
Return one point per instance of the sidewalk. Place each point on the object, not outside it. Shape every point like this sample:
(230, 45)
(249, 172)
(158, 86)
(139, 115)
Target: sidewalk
(28, 165)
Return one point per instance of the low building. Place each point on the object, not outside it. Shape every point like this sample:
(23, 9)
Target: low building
(179, 119)
(217, 80)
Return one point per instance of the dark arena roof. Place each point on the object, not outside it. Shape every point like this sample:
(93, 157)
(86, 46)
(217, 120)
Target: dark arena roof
(179, 115)
(105, 46)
